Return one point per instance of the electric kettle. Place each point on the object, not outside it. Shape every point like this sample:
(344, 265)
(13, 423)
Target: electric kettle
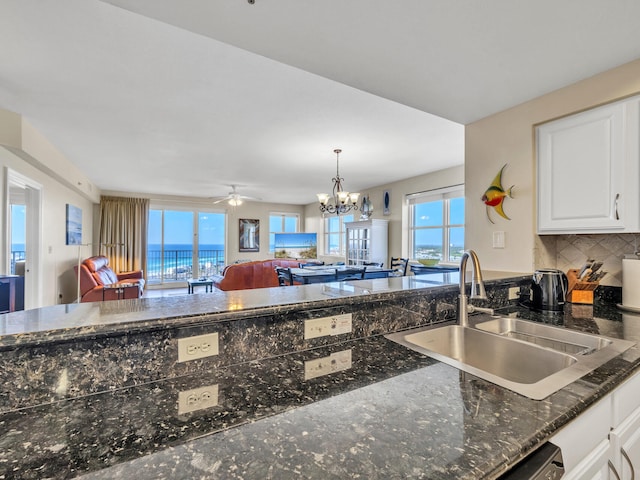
(548, 289)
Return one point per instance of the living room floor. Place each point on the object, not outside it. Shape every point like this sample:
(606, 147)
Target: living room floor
(169, 292)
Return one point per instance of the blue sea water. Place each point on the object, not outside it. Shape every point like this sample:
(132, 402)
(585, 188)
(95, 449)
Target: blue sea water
(178, 258)
(178, 246)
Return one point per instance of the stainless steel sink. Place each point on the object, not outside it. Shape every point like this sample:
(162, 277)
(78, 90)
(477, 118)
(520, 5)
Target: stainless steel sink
(496, 351)
(560, 339)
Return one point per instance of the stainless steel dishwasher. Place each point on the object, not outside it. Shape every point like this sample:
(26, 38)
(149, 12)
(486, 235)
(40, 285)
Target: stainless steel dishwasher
(544, 463)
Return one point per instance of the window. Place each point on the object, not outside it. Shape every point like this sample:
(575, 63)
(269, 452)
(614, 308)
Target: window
(281, 223)
(17, 227)
(184, 244)
(437, 224)
(335, 234)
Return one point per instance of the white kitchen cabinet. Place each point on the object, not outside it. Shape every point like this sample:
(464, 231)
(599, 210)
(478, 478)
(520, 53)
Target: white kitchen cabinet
(625, 440)
(584, 442)
(595, 466)
(588, 179)
(625, 436)
(604, 441)
(367, 241)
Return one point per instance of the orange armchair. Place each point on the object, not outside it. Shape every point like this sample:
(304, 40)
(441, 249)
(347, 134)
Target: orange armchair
(95, 275)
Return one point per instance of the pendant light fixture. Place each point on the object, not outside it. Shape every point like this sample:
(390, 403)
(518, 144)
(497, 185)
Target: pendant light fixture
(341, 201)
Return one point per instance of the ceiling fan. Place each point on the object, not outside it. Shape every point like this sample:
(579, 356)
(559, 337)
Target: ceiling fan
(234, 198)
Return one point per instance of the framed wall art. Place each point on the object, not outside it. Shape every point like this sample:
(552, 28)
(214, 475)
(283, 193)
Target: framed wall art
(386, 202)
(249, 235)
(74, 225)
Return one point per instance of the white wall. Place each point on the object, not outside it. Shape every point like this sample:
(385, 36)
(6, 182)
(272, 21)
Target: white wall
(259, 211)
(508, 137)
(29, 154)
(58, 259)
(398, 237)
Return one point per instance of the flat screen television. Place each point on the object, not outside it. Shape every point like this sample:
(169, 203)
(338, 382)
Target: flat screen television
(296, 245)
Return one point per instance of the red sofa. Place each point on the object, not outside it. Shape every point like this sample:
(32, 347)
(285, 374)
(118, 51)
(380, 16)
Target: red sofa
(95, 275)
(243, 276)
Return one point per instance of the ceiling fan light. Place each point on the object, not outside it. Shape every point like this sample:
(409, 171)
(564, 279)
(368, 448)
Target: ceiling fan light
(234, 202)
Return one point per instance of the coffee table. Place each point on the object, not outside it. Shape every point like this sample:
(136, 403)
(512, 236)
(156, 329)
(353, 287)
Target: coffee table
(194, 282)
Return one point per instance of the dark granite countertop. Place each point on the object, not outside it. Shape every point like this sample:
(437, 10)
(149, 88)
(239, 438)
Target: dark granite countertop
(75, 321)
(382, 412)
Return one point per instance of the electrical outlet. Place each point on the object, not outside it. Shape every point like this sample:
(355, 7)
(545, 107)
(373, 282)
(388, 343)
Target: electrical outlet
(197, 399)
(514, 293)
(336, 362)
(321, 327)
(200, 346)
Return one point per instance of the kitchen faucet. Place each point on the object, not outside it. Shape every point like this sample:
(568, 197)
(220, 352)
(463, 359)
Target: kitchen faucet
(477, 288)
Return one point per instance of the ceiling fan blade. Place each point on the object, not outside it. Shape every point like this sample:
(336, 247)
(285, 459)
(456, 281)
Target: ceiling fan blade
(233, 194)
(247, 197)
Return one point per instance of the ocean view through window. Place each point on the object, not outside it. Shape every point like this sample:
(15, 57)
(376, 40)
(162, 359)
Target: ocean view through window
(437, 224)
(184, 245)
(18, 235)
(281, 223)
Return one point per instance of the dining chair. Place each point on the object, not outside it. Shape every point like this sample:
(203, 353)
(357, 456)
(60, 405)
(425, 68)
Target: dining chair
(285, 278)
(373, 264)
(399, 265)
(311, 264)
(352, 273)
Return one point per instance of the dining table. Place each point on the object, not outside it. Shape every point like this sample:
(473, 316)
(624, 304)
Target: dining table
(419, 269)
(327, 273)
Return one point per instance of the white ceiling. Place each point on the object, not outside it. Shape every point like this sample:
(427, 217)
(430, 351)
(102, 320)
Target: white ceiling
(185, 98)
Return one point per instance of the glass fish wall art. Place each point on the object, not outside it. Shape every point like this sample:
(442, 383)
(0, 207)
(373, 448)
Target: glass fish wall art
(494, 196)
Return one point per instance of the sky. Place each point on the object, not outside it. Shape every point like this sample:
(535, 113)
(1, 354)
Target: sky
(296, 239)
(178, 227)
(18, 226)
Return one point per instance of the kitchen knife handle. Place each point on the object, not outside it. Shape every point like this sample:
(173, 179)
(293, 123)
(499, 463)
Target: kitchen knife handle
(615, 205)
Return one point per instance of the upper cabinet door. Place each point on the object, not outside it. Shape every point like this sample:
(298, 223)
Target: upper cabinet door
(587, 171)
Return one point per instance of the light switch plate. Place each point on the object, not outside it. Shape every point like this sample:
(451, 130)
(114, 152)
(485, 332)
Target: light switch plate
(498, 239)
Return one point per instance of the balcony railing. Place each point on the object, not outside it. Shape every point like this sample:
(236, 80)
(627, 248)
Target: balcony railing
(177, 265)
(16, 256)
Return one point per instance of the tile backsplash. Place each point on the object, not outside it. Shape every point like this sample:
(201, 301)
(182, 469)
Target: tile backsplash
(571, 251)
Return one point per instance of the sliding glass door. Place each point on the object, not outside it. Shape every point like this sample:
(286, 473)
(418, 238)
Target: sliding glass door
(184, 244)
(210, 245)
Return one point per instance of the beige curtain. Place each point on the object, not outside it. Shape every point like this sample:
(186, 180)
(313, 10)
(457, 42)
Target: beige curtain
(123, 232)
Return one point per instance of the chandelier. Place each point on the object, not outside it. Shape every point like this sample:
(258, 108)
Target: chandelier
(341, 201)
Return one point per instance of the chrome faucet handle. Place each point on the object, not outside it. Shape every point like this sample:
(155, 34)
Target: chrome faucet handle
(473, 308)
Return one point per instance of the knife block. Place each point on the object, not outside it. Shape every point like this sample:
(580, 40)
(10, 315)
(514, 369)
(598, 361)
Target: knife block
(580, 292)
